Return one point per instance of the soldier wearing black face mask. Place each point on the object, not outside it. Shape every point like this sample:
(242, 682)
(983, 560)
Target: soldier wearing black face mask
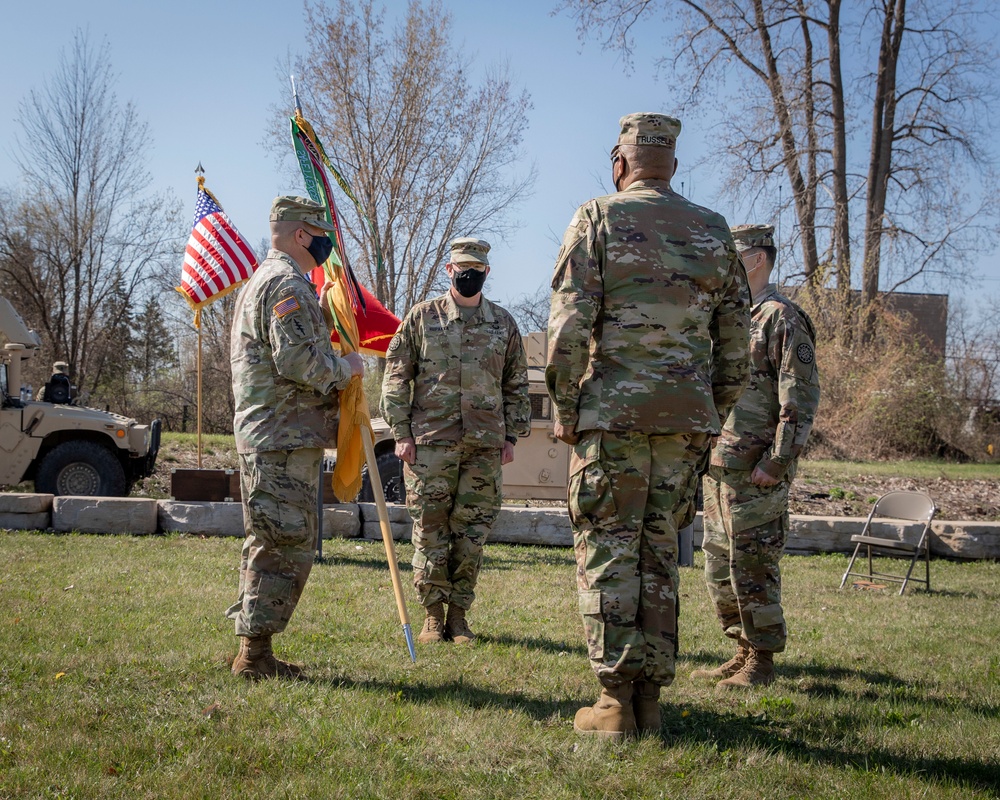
(286, 386)
(456, 395)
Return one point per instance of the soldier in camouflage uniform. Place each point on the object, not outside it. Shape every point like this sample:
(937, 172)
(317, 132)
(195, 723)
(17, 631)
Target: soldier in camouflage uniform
(285, 382)
(455, 392)
(753, 464)
(647, 352)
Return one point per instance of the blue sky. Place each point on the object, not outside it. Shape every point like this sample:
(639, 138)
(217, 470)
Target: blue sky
(205, 75)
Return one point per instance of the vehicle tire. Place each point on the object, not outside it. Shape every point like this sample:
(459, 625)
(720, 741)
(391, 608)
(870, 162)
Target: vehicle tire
(390, 468)
(81, 468)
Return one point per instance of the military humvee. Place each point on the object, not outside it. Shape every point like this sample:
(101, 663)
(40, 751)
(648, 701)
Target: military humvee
(65, 449)
(540, 470)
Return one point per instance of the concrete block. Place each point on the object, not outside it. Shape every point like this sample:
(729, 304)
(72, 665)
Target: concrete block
(543, 526)
(26, 522)
(342, 521)
(135, 515)
(965, 540)
(400, 524)
(226, 519)
(200, 518)
(23, 503)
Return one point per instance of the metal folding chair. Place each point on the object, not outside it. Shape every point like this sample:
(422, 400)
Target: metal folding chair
(899, 505)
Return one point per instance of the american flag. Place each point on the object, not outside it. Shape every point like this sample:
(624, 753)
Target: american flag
(217, 258)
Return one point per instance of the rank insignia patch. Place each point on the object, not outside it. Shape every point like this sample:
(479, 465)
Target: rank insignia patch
(286, 306)
(805, 353)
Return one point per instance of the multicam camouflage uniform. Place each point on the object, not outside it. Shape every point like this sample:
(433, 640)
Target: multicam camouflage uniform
(285, 382)
(746, 525)
(647, 353)
(458, 387)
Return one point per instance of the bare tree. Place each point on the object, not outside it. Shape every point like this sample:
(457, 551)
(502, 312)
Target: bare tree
(85, 236)
(793, 120)
(431, 153)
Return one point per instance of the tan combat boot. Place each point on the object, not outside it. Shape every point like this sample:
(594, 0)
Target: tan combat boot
(433, 630)
(646, 707)
(730, 668)
(255, 661)
(757, 671)
(456, 628)
(611, 716)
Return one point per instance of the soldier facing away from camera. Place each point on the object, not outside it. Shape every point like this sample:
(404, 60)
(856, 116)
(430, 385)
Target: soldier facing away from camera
(647, 353)
(753, 464)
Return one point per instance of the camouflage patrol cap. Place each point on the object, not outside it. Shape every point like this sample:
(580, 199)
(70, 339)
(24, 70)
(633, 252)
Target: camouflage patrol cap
(747, 236)
(470, 251)
(289, 208)
(60, 366)
(647, 128)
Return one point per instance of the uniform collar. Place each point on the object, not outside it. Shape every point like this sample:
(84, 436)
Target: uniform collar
(485, 309)
(649, 183)
(281, 255)
(766, 292)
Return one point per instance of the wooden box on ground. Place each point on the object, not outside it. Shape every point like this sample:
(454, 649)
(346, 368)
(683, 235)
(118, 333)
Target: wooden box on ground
(222, 485)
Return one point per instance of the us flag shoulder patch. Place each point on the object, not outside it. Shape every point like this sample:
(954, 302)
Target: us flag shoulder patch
(286, 306)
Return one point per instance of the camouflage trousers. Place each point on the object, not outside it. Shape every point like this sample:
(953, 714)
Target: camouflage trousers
(628, 494)
(745, 531)
(453, 496)
(280, 519)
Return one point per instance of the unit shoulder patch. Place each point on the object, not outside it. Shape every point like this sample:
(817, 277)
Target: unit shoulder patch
(805, 353)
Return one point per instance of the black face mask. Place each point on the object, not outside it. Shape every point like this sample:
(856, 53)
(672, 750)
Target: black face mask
(320, 248)
(469, 282)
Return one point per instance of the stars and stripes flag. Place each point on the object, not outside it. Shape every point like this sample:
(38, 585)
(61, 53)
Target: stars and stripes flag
(217, 258)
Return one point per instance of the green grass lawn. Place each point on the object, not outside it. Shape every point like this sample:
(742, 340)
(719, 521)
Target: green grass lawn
(114, 683)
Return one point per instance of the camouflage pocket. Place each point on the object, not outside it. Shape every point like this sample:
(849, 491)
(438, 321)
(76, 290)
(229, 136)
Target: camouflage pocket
(757, 511)
(590, 500)
(767, 616)
(593, 622)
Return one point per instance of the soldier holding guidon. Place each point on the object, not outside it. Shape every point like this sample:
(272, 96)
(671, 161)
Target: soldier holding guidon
(286, 382)
(647, 355)
(753, 464)
(455, 393)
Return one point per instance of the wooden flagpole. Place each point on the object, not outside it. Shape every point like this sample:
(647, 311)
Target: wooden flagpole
(199, 396)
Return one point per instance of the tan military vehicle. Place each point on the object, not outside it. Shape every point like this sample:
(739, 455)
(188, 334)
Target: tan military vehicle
(540, 470)
(65, 449)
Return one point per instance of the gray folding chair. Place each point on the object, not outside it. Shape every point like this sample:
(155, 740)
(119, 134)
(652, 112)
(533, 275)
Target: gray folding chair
(914, 506)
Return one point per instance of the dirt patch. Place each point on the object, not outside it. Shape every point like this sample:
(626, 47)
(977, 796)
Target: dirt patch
(972, 500)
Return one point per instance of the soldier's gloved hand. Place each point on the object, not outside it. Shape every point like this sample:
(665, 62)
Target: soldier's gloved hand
(357, 363)
(406, 450)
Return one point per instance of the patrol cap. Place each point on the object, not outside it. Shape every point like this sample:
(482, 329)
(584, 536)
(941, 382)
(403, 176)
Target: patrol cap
(471, 252)
(289, 208)
(647, 128)
(61, 366)
(747, 236)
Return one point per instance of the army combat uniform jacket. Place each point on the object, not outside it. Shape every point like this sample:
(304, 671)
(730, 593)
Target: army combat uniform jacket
(770, 424)
(661, 278)
(285, 372)
(448, 380)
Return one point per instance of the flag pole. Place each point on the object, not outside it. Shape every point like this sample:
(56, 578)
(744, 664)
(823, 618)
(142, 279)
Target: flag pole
(390, 549)
(200, 172)
(199, 397)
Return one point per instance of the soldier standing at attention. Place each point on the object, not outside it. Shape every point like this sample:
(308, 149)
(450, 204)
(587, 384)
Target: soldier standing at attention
(647, 354)
(455, 393)
(285, 382)
(752, 467)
